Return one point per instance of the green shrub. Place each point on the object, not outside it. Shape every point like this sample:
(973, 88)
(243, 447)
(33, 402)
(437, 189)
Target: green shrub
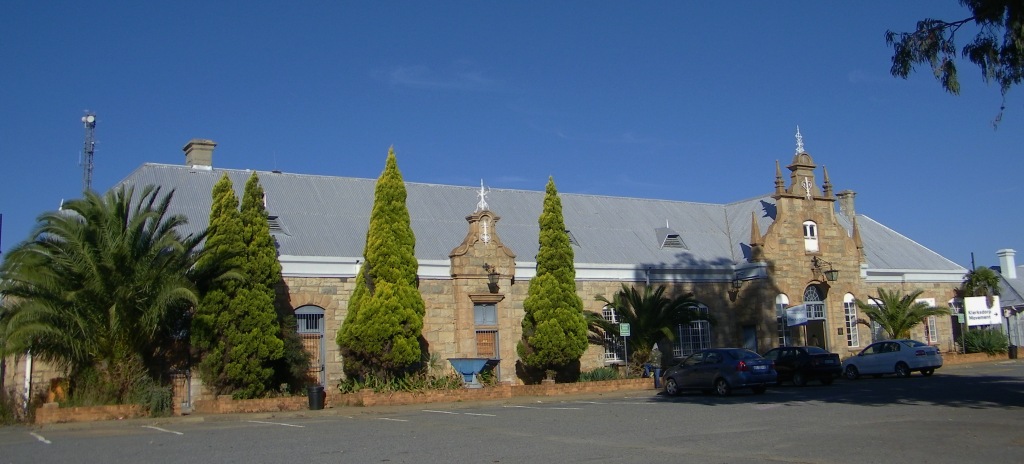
(601, 373)
(990, 341)
(157, 399)
(8, 408)
(412, 383)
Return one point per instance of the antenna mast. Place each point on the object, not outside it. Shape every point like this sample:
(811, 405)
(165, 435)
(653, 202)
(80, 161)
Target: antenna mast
(89, 121)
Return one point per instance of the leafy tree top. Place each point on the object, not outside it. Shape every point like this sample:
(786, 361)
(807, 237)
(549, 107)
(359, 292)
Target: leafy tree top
(997, 48)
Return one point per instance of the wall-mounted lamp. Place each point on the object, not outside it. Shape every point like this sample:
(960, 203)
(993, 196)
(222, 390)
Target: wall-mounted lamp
(830, 274)
(736, 284)
(492, 277)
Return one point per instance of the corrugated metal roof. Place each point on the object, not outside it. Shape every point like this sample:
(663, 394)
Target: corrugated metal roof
(328, 217)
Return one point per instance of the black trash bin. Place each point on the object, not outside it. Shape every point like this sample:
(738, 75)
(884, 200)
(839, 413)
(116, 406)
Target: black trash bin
(1013, 351)
(316, 397)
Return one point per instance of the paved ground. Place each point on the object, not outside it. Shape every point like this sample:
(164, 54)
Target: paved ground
(968, 413)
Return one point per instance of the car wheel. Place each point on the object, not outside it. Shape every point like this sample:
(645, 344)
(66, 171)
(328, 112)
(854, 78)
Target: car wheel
(671, 387)
(851, 373)
(722, 387)
(927, 372)
(902, 369)
(759, 390)
(799, 379)
(827, 380)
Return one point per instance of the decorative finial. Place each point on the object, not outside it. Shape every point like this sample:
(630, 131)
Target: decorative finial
(799, 142)
(482, 204)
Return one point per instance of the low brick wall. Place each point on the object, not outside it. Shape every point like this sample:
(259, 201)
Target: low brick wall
(957, 358)
(51, 413)
(226, 405)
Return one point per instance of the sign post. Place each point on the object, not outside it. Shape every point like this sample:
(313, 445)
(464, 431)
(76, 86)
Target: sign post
(624, 333)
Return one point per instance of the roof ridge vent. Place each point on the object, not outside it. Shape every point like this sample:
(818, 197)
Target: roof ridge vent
(275, 225)
(572, 238)
(669, 238)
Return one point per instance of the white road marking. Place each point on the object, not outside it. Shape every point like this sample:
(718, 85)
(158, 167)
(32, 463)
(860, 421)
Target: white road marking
(396, 420)
(535, 407)
(278, 423)
(39, 437)
(457, 413)
(162, 430)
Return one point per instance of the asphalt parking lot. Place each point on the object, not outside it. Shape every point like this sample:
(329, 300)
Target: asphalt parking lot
(965, 413)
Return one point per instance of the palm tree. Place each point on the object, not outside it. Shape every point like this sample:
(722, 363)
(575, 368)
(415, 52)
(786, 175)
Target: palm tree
(981, 281)
(896, 313)
(652, 317)
(103, 286)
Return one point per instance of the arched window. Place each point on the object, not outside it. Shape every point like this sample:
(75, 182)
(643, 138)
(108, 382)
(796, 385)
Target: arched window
(810, 236)
(782, 328)
(693, 337)
(850, 314)
(814, 302)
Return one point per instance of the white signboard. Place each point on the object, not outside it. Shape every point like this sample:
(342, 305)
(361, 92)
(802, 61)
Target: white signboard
(624, 329)
(980, 313)
(796, 315)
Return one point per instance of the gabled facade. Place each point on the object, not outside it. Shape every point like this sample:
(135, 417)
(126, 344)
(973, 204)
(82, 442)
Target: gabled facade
(476, 251)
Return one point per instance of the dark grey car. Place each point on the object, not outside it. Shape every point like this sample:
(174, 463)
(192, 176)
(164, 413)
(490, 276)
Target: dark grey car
(720, 370)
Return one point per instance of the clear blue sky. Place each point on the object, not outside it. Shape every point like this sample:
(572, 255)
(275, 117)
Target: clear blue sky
(679, 100)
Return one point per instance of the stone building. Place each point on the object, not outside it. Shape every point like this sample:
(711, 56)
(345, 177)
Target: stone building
(783, 268)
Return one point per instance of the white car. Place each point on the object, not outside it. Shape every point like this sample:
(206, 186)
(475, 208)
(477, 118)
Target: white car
(900, 357)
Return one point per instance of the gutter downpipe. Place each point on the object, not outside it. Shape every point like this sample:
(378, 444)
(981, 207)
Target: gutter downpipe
(28, 379)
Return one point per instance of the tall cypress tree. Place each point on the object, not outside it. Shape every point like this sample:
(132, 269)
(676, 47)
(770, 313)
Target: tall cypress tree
(554, 328)
(237, 324)
(223, 243)
(290, 363)
(382, 331)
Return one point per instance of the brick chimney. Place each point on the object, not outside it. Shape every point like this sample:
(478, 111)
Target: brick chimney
(846, 203)
(1007, 266)
(199, 153)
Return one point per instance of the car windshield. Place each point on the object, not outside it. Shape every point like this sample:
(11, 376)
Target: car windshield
(815, 350)
(913, 343)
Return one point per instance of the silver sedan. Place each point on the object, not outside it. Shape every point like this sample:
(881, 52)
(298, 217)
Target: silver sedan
(900, 357)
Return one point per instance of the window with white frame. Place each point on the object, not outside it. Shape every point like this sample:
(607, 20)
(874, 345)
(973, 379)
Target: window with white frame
(613, 346)
(850, 315)
(814, 303)
(931, 335)
(782, 325)
(810, 236)
(931, 331)
(694, 336)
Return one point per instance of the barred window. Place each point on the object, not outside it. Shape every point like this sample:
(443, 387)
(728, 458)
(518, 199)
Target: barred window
(694, 336)
(614, 346)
